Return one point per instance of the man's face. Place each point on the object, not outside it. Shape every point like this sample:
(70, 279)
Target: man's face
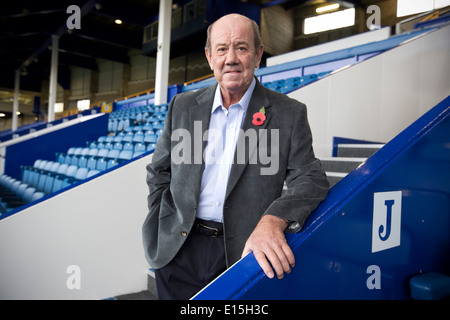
(233, 56)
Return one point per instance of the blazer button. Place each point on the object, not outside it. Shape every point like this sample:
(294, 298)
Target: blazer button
(184, 233)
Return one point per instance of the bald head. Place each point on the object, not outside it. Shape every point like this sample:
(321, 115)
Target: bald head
(233, 54)
(232, 19)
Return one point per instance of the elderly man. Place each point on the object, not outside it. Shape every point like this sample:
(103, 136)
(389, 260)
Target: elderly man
(217, 174)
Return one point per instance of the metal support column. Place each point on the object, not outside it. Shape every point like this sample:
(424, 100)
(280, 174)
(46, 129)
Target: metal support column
(53, 79)
(163, 54)
(16, 100)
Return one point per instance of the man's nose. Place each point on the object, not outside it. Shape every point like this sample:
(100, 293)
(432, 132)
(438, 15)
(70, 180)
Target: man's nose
(231, 57)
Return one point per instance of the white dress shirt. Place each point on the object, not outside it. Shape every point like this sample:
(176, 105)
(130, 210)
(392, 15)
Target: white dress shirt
(219, 153)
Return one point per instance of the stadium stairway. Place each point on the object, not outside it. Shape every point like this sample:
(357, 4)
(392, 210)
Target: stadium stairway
(349, 157)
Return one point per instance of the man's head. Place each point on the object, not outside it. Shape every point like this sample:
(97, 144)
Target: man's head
(234, 51)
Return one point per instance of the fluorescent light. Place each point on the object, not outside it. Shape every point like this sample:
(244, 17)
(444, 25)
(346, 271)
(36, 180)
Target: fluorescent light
(330, 7)
(2, 115)
(59, 106)
(83, 105)
(118, 21)
(409, 7)
(329, 21)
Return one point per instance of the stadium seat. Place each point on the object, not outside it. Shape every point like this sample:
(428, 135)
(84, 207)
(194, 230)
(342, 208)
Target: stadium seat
(28, 195)
(71, 171)
(102, 164)
(92, 163)
(113, 154)
(111, 163)
(128, 146)
(125, 155)
(37, 196)
(92, 173)
(82, 162)
(81, 173)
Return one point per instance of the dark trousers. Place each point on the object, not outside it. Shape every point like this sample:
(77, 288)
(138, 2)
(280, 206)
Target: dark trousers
(200, 260)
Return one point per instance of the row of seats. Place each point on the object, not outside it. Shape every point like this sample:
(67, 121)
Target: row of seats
(125, 118)
(133, 112)
(14, 193)
(50, 176)
(132, 137)
(289, 84)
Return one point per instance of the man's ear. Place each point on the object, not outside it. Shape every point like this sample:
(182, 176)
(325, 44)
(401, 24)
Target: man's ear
(259, 54)
(208, 57)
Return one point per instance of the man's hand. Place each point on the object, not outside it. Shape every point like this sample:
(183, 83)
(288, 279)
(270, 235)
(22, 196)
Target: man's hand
(269, 244)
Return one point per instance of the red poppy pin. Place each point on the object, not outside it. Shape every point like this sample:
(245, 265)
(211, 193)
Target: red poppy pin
(259, 117)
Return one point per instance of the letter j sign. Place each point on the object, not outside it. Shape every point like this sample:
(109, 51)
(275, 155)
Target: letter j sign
(386, 226)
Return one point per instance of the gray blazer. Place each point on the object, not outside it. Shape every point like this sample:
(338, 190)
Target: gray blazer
(175, 188)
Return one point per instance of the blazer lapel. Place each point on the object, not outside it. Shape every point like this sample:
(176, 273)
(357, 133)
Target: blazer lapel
(258, 100)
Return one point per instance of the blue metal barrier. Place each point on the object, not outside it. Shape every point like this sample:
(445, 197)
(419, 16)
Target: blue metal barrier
(386, 222)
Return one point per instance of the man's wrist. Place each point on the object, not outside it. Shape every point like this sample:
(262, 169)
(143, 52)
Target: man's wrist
(282, 222)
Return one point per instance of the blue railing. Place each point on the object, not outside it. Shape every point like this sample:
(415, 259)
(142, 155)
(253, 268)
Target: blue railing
(386, 222)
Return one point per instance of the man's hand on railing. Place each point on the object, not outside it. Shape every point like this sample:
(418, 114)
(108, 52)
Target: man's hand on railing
(269, 244)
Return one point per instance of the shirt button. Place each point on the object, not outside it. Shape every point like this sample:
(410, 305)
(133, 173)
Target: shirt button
(218, 203)
(184, 233)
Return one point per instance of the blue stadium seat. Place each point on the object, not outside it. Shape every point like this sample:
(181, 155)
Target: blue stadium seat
(103, 153)
(118, 146)
(102, 164)
(125, 155)
(138, 137)
(93, 152)
(111, 163)
(37, 196)
(71, 171)
(92, 163)
(82, 162)
(150, 138)
(48, 186)
(63, 169)
(81, 173)
(60, 157)
(129, 137)
(113, 154)
(128, 146)
(139, 147)
(118, 138)
(92, 173)
(28, 195)
(71, 151)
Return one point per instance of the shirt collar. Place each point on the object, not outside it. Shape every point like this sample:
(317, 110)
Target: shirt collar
(243, 103)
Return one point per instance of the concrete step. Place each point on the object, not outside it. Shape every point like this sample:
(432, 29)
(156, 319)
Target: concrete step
(358, 150)
(341, 164)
